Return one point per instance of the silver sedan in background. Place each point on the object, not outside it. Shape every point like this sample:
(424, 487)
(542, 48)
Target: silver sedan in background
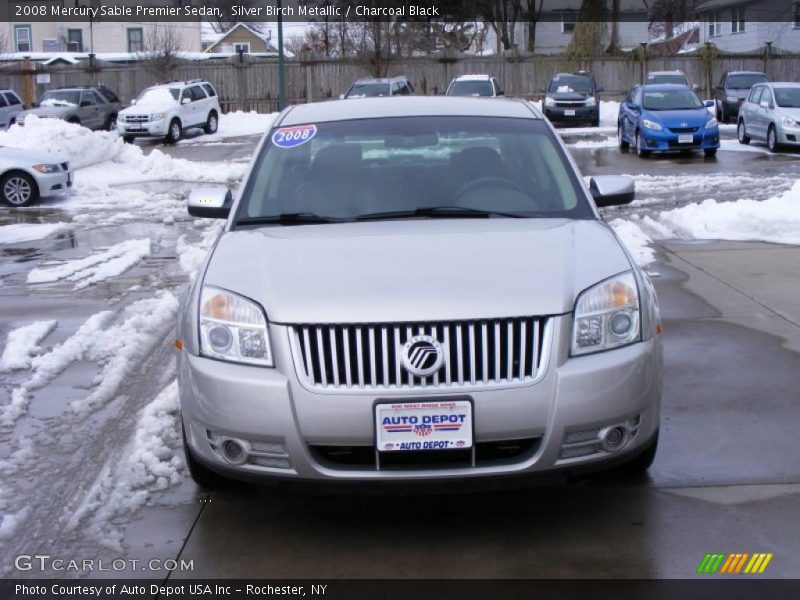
(771, 113)
(27, 175)
(416, 288)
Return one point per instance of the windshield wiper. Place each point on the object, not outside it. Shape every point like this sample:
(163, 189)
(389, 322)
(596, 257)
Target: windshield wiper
(301, 218)
(441, 212)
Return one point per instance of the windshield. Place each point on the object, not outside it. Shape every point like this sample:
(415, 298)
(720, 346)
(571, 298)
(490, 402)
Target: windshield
(351, 169)
(666, 78)
(159, 96)
(471, 88)
(787, 97)
(671, 100)
(570, 83)
(60, 98)
(368, 90)
(745, 82)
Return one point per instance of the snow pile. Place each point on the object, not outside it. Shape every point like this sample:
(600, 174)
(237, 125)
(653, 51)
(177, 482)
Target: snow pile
(96, 267)
(9, 523)
(609, 113)
(103, 206)
(27, 232)
(151, 462)
(48, 366)
(776, 219)
(636, 241)
(79, 145)
(192, 254)
(23, 343)
(240, 123)
(609, 142)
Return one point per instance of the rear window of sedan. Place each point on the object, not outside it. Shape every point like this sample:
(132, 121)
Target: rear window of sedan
(671, 100)
(471, 88)
(666, 78)
(368, 90)
(349, 169)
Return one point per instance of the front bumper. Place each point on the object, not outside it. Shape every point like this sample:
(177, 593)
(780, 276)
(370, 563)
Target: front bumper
(51, 184)
(291, 430)
(788, 136)
(573, 114)
(147, 129)
(668, 141)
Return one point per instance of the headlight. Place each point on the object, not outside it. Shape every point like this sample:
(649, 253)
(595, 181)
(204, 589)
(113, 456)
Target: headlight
(712, 122)
(591, 102)
(233, 328)
(788, 122)
(157, 116)
(651, 125)
(47, 168)
(548, 101)
(607, 316)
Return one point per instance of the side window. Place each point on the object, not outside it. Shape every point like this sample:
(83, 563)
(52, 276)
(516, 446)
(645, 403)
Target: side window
(98, 98)
(209, 90)
(396, 88)
(88, 97)
(3, 102)
(637, 96)
(186, 94)
(755, 94)
(766, 95)
(107, 93)
(197, 93)
(13, 99)
(404, 89)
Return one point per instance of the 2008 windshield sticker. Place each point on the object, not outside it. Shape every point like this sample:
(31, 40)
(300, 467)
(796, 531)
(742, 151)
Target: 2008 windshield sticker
(291, 137)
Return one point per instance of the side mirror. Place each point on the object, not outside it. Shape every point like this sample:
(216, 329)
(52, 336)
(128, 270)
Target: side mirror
(612, 190)
(133, 101)
(599, 89)
(764, 104)
(185, 100)
(710, 104)
(632, 106)
(210, 202)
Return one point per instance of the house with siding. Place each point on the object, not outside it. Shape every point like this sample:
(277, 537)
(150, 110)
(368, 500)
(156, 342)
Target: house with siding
(748, 25)
(241, 37)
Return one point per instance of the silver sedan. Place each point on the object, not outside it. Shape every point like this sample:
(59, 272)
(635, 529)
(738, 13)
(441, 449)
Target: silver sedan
(416, 288)
(27, 175)
(771, 113)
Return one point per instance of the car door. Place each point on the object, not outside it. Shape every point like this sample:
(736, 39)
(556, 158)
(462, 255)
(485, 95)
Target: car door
(5, 111)
(187, 108)
(631, 114)
(750, 112)
(104, 108)
(88, 112)
(14, 105)
(201, 104)
(766, 107)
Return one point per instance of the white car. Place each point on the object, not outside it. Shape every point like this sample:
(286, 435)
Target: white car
(167, 109)
(10, 107)
(27, 175)
(475, 85)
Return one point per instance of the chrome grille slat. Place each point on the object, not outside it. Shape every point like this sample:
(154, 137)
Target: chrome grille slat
(475, 354)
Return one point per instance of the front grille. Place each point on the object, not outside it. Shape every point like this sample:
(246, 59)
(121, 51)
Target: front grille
(570, 103)
(137, 118)
(368, 356)
(683, 129)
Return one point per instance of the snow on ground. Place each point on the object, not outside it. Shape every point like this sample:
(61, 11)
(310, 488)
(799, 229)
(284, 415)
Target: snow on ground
(608, 142)
(98, 266)
(776, 219)
(23, 343)
(237, 124)
(735, 146)
(27, 232)
(635, 240)
(9, 523)
(151, 462)
(191, 254)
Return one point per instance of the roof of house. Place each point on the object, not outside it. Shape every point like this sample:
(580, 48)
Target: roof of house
(247, 28)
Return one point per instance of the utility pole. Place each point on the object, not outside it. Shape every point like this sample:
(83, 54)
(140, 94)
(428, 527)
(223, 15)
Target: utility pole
(281, 65)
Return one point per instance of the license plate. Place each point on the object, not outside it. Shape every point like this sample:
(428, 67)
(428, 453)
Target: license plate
(414, 426)
(569, 112)
(685, 138)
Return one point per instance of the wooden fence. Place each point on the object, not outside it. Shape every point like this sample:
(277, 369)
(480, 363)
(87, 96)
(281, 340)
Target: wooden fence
(253, 84)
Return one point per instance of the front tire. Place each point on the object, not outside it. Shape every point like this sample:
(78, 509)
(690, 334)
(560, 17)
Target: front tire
(710, 152)
(18, 189)
(174, 133)
(741, 133)
(74, 120)
(772, 139)
(202, 475)
(640, 151)
(128, 139)
(212, 123)
(640, 464)
(623, 143)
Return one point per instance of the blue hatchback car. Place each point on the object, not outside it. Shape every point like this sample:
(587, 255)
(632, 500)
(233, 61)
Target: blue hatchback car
(666, 118)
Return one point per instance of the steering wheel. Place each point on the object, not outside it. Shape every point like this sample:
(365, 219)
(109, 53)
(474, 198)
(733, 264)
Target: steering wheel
(483, 182)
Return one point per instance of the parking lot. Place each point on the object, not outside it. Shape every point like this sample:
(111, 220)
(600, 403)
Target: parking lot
(90, 440)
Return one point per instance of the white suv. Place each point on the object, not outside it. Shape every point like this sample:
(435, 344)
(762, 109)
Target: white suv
(167, 109)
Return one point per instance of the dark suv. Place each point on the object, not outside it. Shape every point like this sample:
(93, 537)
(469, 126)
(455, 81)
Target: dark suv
(572, 97)
(95, 106)
(384, 86)
(732, 90)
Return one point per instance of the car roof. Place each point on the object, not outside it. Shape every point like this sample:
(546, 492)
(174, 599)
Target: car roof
(674, 72)
(406, 106)
(576, 74)
(746, 73)
(665, 87)
(473, 77)
(782, 84)
(380, 79)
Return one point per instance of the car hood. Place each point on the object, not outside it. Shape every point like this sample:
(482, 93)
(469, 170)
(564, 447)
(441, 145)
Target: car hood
(788, 111)
(695, 117)
(30, 157)
(416, 270)
(568, 95)
(146, 109)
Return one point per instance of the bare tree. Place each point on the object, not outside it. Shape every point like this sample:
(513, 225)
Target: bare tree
(589, 34)
(4, 42)
(161, 49)
(502, 16)
(532, 10)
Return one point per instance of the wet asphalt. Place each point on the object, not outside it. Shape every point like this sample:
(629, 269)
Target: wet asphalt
(726, 477)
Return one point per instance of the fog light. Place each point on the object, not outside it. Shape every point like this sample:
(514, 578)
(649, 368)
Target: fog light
(614, 438)
(234, 452)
